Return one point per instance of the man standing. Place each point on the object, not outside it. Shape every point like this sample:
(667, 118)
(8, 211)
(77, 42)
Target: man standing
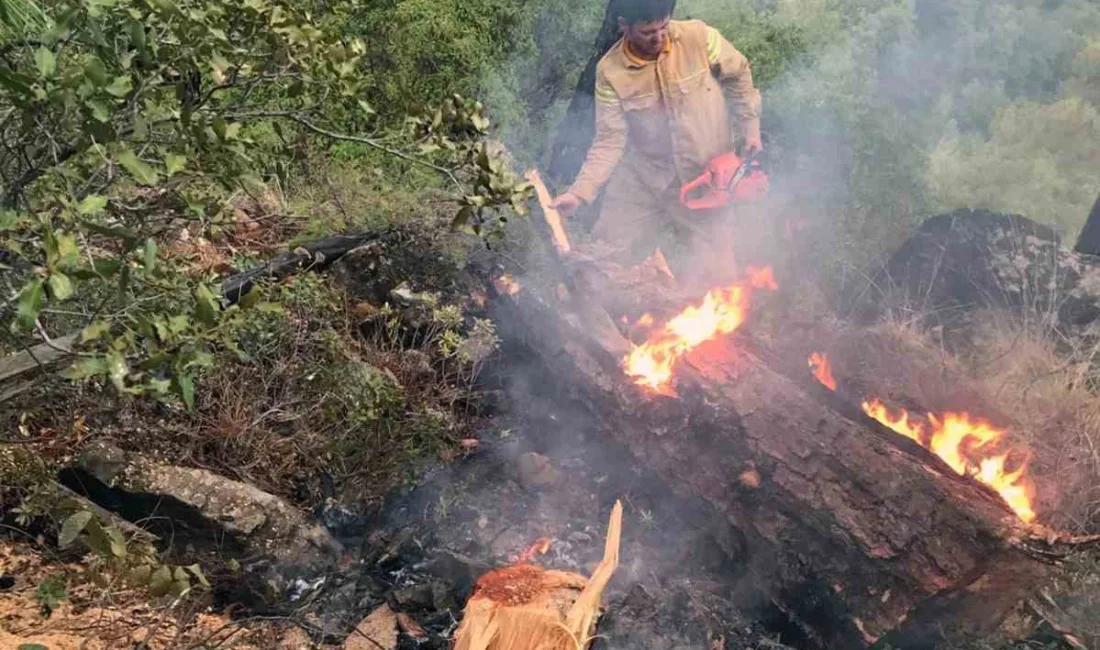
(664, 97)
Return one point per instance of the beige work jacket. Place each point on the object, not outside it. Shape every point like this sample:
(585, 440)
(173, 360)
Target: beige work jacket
(665, 119)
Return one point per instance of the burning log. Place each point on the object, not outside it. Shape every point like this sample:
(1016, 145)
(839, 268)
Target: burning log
(526, 607)
(863, 537)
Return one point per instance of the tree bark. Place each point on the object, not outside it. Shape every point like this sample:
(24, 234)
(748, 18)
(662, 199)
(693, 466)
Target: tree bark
(862, 537)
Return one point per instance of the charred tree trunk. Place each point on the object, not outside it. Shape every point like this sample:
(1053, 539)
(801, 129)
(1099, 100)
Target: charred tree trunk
(860, 536)
(579, 126)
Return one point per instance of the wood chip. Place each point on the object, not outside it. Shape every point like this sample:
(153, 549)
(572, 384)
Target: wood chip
(410, 627)
(375, 632)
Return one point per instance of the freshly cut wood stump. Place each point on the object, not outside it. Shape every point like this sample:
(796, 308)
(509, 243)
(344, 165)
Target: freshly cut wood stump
(860, 536)
(526, 607)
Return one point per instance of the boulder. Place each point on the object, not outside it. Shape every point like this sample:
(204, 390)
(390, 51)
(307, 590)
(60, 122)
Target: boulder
(975, 259)
(289, 554)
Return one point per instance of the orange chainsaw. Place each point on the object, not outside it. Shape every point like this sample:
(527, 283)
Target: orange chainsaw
(728, 179)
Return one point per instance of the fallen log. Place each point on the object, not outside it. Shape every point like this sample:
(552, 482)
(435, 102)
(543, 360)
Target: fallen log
(315, 255)
(862, 537)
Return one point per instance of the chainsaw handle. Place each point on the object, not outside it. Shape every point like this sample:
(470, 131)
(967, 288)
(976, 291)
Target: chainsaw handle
(703, 181)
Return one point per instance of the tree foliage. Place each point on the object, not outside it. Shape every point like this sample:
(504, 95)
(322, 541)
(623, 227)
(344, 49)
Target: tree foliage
(122, 121)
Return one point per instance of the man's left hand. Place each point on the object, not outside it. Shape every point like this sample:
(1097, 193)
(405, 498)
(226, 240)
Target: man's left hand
(751, 146)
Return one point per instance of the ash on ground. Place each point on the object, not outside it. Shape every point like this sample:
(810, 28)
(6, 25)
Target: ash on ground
(681, 581)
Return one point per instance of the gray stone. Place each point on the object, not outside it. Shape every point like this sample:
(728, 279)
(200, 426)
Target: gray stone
(974, 259)
(293, 553)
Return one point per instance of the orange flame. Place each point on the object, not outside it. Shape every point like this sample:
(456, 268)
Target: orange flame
(819, 363)
(955, 438)
(900, 423)
(721, 312)
(507, 285)
(540, 547)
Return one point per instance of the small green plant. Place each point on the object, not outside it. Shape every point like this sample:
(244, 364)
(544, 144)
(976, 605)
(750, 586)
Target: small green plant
(50, 593)
(117, 559)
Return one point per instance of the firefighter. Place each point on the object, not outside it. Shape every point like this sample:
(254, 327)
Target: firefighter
(665, 94)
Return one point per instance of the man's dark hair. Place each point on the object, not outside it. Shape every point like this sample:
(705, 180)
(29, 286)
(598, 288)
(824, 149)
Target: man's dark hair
(645, 11)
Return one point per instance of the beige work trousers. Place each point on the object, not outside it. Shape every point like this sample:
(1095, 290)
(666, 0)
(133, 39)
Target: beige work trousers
(636, 218)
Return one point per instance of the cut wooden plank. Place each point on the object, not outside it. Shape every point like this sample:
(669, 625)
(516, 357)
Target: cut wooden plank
(553, 219)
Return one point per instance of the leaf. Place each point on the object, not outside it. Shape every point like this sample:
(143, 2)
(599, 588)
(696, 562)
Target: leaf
(197, 572)
(174, 162)
(179, 323)
(100, 111)
(250, 299)
(139, 169)
(463, 217)
(46, 62)
(61, 287)
(128, 236)
(15, 82)
(96, 72)
(86, 367)
(31, 646)
(92, 204)
(206, 306)
(187, 390)
(117, 369)
(94, 331)
(72, 527)
(67, 252)
(219, 127)
(117, 541)
(121, 86)
(137, 35)
(218, 64)
(30, 303)
(96, 7)
(150, 256)
(97, 539)
(160, 581)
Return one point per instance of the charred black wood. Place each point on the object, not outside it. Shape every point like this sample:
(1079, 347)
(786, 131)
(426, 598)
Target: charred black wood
(315, 255)
(1088, 243)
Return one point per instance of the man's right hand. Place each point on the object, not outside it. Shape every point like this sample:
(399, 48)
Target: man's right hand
(567, 204)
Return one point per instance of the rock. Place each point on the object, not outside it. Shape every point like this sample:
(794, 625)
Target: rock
(535, 471)
(443, 596)
(292, 555)
(339, 519)
(975, 259)
(415, 598)
(378, 631)
(459, 570)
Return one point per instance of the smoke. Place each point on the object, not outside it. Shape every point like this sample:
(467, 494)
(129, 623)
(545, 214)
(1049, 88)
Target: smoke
(899, 109)
(877, 114)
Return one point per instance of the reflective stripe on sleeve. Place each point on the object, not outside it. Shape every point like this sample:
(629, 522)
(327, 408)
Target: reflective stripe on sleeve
(714, 45)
